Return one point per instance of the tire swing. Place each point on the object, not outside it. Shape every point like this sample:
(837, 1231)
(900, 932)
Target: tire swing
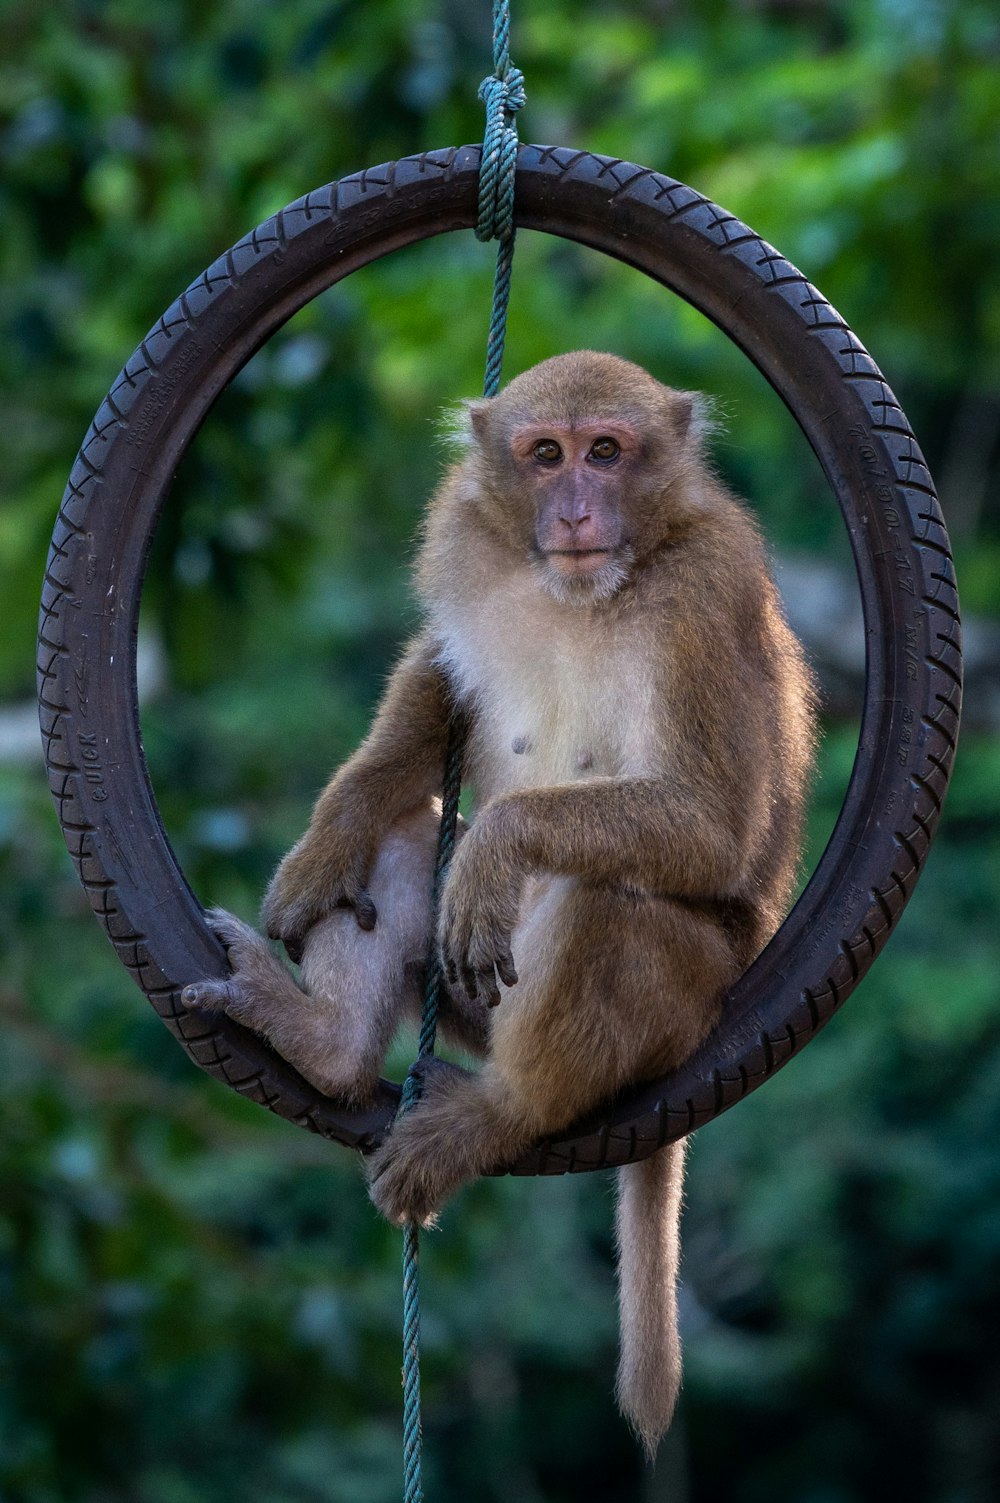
(121, 479)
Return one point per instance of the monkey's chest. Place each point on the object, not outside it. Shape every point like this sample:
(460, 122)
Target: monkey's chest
(525, 741)
(551, 711)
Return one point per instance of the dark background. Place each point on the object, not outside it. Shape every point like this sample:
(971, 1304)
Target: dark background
(196, 1301)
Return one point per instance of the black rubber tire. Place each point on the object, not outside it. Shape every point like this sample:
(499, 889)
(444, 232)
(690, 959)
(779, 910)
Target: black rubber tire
(86, 660)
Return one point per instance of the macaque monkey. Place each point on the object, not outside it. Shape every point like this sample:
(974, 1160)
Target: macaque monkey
(639, 739)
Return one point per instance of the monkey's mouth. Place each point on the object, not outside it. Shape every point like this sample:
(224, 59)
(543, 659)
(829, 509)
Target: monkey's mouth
(578, 560)
(585, 576)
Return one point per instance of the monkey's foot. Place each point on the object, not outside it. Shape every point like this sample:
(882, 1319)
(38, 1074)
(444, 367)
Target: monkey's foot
(417, 1168)
(240, 939)
(263, 996)
(250, 960)
(399, 1186)
(432, 1072)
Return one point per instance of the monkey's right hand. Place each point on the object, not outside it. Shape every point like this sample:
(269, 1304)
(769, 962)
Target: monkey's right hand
(479, 909)
(322, 872)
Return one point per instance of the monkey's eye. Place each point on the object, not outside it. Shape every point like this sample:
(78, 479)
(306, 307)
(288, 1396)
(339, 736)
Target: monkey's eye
(547, 451)
(604, 450)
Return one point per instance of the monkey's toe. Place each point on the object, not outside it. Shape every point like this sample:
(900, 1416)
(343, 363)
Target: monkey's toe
(233, 932)
(234, 997)
(398, 1188)
(432, 1071)
(206, 996)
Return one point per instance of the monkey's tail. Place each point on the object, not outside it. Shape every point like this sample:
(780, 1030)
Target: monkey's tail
(647, 1228)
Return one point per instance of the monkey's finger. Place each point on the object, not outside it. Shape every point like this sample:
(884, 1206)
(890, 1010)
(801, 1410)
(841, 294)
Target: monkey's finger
(294, 946)
(488, 986)
(288, 932)
(364, 910)
(470, 982)
(505, 969)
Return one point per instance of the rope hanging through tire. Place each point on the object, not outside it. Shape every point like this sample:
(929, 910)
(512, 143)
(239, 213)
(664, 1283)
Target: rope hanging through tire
(119, 483)
(503, 95)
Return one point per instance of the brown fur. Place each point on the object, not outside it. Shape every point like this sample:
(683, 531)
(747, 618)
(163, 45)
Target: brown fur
(640, 737)
(647, 1226)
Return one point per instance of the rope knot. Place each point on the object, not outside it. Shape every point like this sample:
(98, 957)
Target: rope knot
(503, 96)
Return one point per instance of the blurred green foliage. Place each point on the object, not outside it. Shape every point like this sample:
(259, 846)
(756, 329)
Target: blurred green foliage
(195, 1300)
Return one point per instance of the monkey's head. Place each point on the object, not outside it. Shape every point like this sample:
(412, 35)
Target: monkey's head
(580, 466)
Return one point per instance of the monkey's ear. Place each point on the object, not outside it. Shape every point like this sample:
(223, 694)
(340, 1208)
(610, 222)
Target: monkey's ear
(462, 426)
(682, 413)
(691, 416)
(479, 418)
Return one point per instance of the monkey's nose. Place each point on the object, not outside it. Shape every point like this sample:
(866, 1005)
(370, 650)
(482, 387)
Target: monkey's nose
(574, 519)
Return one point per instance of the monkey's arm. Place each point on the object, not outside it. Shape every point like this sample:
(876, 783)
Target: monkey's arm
(653, 832)
(398, 767)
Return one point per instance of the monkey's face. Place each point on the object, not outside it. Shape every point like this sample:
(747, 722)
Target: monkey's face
(576, 478)
(575, 464)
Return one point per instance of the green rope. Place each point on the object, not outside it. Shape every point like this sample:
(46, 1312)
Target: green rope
(503, 95)
(413, 1490)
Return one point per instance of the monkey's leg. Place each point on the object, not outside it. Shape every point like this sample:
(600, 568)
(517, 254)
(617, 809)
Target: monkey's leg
(402, 887)
(365, 980)
(467, 1124)
(613, 988)
(357, 982)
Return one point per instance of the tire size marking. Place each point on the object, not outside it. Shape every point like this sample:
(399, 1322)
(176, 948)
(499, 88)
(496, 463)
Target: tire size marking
(160, 390)
(905, 739)
(81, 680)
(910, 650)
(837, 919)
(883, 491)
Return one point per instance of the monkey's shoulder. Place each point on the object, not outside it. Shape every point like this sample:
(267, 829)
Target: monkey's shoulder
(716, 576)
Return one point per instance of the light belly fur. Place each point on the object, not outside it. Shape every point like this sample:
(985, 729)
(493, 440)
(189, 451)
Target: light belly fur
(556, 698)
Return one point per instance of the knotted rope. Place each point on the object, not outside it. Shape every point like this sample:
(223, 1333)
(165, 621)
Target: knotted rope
(503, 95)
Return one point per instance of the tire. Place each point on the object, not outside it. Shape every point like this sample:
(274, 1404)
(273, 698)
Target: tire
(86, 657)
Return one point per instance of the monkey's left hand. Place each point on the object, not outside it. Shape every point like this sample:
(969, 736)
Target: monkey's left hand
(479, 910)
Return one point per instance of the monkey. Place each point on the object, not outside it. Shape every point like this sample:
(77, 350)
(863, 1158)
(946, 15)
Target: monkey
(640, 728)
